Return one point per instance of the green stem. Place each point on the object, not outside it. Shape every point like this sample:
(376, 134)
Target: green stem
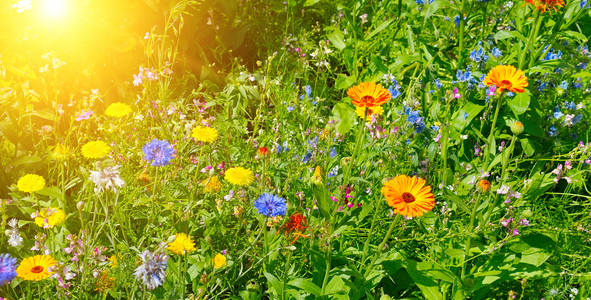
(371, 229)
(381, 246)
(529, 42)
(469, 238)
(444, 143)
(506, 157)
(489, 146)
(462, 25)
(286, 271)
(360, 134)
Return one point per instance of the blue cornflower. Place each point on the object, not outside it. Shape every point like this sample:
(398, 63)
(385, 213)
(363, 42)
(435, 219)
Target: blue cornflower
(570, 105)
(543, 86)
(270, 205)
(152, 271)
(7, 268)
(457, 21)
(158, 152)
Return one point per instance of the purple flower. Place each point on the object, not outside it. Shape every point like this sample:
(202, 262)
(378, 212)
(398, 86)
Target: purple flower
(152, 271)
(158, 152)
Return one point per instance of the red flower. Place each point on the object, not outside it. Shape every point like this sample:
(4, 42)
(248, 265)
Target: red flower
(296, 225)
(263, 151)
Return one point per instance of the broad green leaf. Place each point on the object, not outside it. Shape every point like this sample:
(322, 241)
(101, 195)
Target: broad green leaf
(433, 8)
(527, 147)
(519, 103)
(344, 82)
(52, 192)
(429, 287)
(503, 34)
(346, 115)
(306, 285)
(336, 37)
(322, 200)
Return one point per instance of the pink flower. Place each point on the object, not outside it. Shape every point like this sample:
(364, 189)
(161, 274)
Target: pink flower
(83, 115)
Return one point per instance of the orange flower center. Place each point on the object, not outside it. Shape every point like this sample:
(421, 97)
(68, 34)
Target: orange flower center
(37, 269)
(506, 84)
(408, 198)
(367, 99)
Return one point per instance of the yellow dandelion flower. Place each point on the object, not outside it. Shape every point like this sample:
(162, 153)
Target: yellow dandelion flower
(182, 244)
(35, 268)
(219, 261)
(96, 149)
(212, 186)
(374, 110)
(49, 217)
(61, 151)
(30, 183)
(239, 176)
(408, 196)
(205, 134)
(118, 110)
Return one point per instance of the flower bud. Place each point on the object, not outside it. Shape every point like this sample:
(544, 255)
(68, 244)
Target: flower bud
(80, 205)
(516, 127)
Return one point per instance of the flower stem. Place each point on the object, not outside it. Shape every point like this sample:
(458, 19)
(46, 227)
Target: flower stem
(373, 222)
(351, 163)
(489, 145)
(285, 274)
(381, 246)
(469, 238)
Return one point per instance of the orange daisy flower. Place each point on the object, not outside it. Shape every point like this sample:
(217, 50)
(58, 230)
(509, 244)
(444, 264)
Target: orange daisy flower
(546, 5)
(408, 196)
(368, 94)
(506, 78)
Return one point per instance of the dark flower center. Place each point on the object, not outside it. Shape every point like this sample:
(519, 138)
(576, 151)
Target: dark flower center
(367, 99)
(37, 269)
(505, 84)
(408, 198)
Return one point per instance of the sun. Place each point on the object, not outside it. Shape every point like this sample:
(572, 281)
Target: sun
(55, 8)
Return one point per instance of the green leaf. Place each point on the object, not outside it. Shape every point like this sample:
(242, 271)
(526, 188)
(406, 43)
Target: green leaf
(433, 8)
(346, 115)
(465, 115)
(527, 147)
(310, 2)
(52, 192)
(503, 34)
(378, 29)
(306, 285)
(519, 104)
(322, 199)
(336, 37)
(429, 287)
(26, 160)
(344, 82)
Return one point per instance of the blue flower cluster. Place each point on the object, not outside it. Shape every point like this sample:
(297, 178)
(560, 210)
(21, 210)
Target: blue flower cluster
(478, 55)
(550, 55)
(7, 268)
(159, 152)
(394, 89)
(464, 76)
(270, 205)
(414, 118)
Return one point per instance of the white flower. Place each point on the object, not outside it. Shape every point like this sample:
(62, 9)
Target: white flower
(107, 178)
(152, 271)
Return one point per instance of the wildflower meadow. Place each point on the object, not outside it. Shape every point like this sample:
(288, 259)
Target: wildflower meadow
(295, 149)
